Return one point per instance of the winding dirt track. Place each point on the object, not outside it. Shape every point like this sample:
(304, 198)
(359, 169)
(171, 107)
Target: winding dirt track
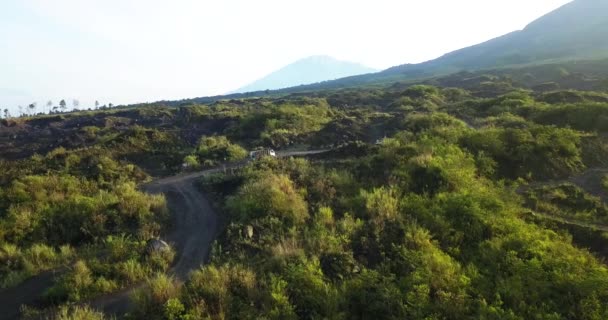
(195, 226)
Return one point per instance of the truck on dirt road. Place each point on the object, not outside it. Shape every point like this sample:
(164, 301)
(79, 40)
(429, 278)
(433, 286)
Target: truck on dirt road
(258, 154)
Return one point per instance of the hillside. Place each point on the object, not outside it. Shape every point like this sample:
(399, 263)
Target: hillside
(499, 213)
(576, 30)
(473, 186)
(306, 71)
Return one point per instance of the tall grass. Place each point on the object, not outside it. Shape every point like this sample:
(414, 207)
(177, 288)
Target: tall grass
(18, 264)
(151, 299)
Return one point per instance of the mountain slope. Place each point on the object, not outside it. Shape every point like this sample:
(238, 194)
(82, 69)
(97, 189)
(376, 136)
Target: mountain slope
(575, 31)
(305, 71)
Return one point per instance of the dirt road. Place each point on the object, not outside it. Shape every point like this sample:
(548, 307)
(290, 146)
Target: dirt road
(28, 293)
(195, 226)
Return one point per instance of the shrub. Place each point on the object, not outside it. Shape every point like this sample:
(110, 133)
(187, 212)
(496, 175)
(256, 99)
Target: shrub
(131, 271)
(270, 194)
(539, 152)
(151, 299)
(77, 313)
(191, 161)
(173, 309)
(587, 116)
(80, 284)
(217, 149)
(160, 260)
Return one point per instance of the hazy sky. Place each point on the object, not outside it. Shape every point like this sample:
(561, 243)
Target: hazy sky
(126, 51)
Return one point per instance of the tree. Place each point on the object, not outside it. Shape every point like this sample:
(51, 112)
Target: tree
(49, 105)
(75, 103)
(110, 106)
(6, 114)
(96, 104)
(20, 110)
(62, 105)
(32, 107)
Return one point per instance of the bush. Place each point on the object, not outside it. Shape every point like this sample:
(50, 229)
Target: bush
(270, 194)
(540, 152)
(131, 271)
(77, 313)
(160, 260)
(582, 116)
(218, 149)
(191, 162)
(213, 291)
(18, 264)
(80, 284)
(65, 210)
(150, 301)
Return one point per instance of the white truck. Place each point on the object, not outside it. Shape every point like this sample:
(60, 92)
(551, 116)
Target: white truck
(258, 154)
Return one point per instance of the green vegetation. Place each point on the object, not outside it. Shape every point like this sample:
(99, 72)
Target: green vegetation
(570, 202)
(426, 237)
(78, 211)
(537, 152)
(471, 195)
(66, 312)
(78, 313)
(433, 203)
(212, 151)
(158, 299)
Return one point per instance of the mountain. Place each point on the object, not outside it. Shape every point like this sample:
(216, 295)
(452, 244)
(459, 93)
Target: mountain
(306, 71)
(578, 29)
(575, 31)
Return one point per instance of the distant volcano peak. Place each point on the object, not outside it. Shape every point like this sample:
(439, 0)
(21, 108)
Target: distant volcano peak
(307, 70)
